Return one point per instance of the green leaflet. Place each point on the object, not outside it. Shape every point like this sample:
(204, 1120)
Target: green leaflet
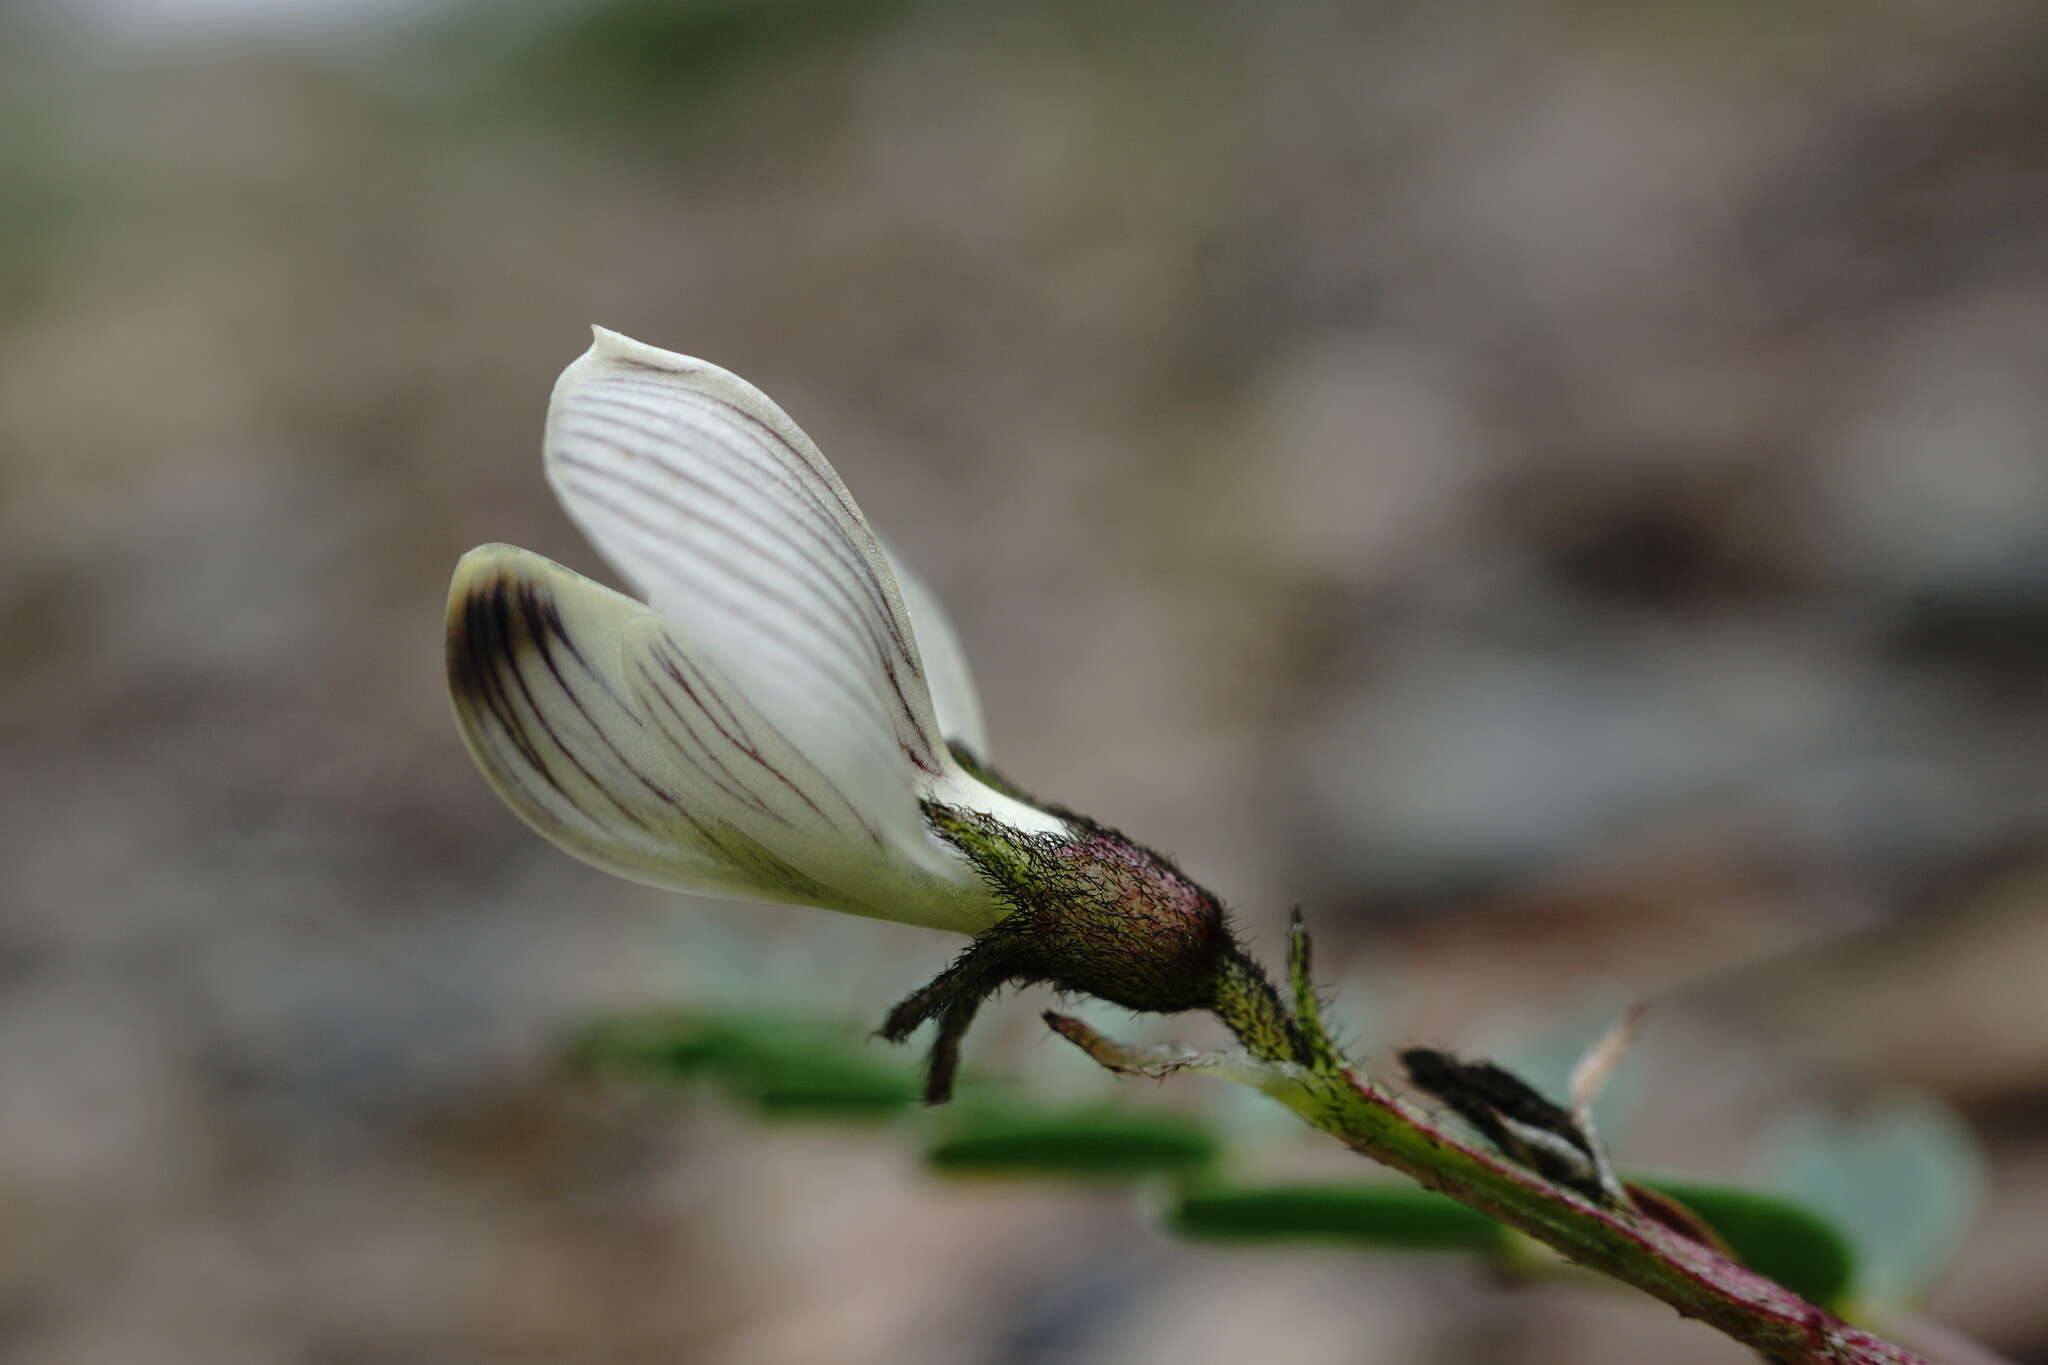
(1775, 1237)
(784, 1068)
(1089, 1145)
(1392, 1217)
(671, 1045)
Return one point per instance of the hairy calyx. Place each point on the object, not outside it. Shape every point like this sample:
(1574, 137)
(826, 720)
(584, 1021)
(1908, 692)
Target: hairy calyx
(1090, 911)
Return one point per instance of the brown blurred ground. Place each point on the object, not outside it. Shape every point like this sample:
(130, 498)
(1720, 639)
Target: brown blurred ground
(1560, 493)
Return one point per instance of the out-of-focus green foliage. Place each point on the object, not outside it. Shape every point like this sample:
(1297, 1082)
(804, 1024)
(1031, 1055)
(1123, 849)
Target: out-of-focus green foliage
(1775, 1237)
(1904, 1178)
(1393, 1217)
(42, 197)
(1889, 1192)
(646, 56)
(671, 1045)
(1778, 1238)
(1088, 1145)
(783, 1067)
(843, 1083)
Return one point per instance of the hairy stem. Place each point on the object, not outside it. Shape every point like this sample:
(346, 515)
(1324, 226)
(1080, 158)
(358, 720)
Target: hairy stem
(1247, 1003)
(1292, 1059)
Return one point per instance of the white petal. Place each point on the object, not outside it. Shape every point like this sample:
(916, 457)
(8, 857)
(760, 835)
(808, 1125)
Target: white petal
(853, 824)
(542, 701)
(955, 700)
(712, 502)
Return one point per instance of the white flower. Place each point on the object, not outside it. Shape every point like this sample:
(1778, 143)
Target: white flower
(774, 718)
(767, 719)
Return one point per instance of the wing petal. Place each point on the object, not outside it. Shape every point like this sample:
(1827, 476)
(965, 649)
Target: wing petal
(955, 701)
(860, 832)
(536, 671)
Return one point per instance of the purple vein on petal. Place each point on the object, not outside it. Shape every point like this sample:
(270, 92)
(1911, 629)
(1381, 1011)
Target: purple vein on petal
(673, 659)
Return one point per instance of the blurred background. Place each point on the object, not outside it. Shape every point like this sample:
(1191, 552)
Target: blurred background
(1559, 492)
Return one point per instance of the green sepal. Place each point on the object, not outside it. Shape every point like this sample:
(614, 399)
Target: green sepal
(1364, 1214)
(1084, 1145)
(1775, 1237)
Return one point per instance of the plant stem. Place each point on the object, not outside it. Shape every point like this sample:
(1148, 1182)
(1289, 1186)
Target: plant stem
(1292, 1060)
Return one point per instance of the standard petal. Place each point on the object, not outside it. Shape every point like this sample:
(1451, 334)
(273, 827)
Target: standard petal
(713, 503)
(542, 700)
(955, 700)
